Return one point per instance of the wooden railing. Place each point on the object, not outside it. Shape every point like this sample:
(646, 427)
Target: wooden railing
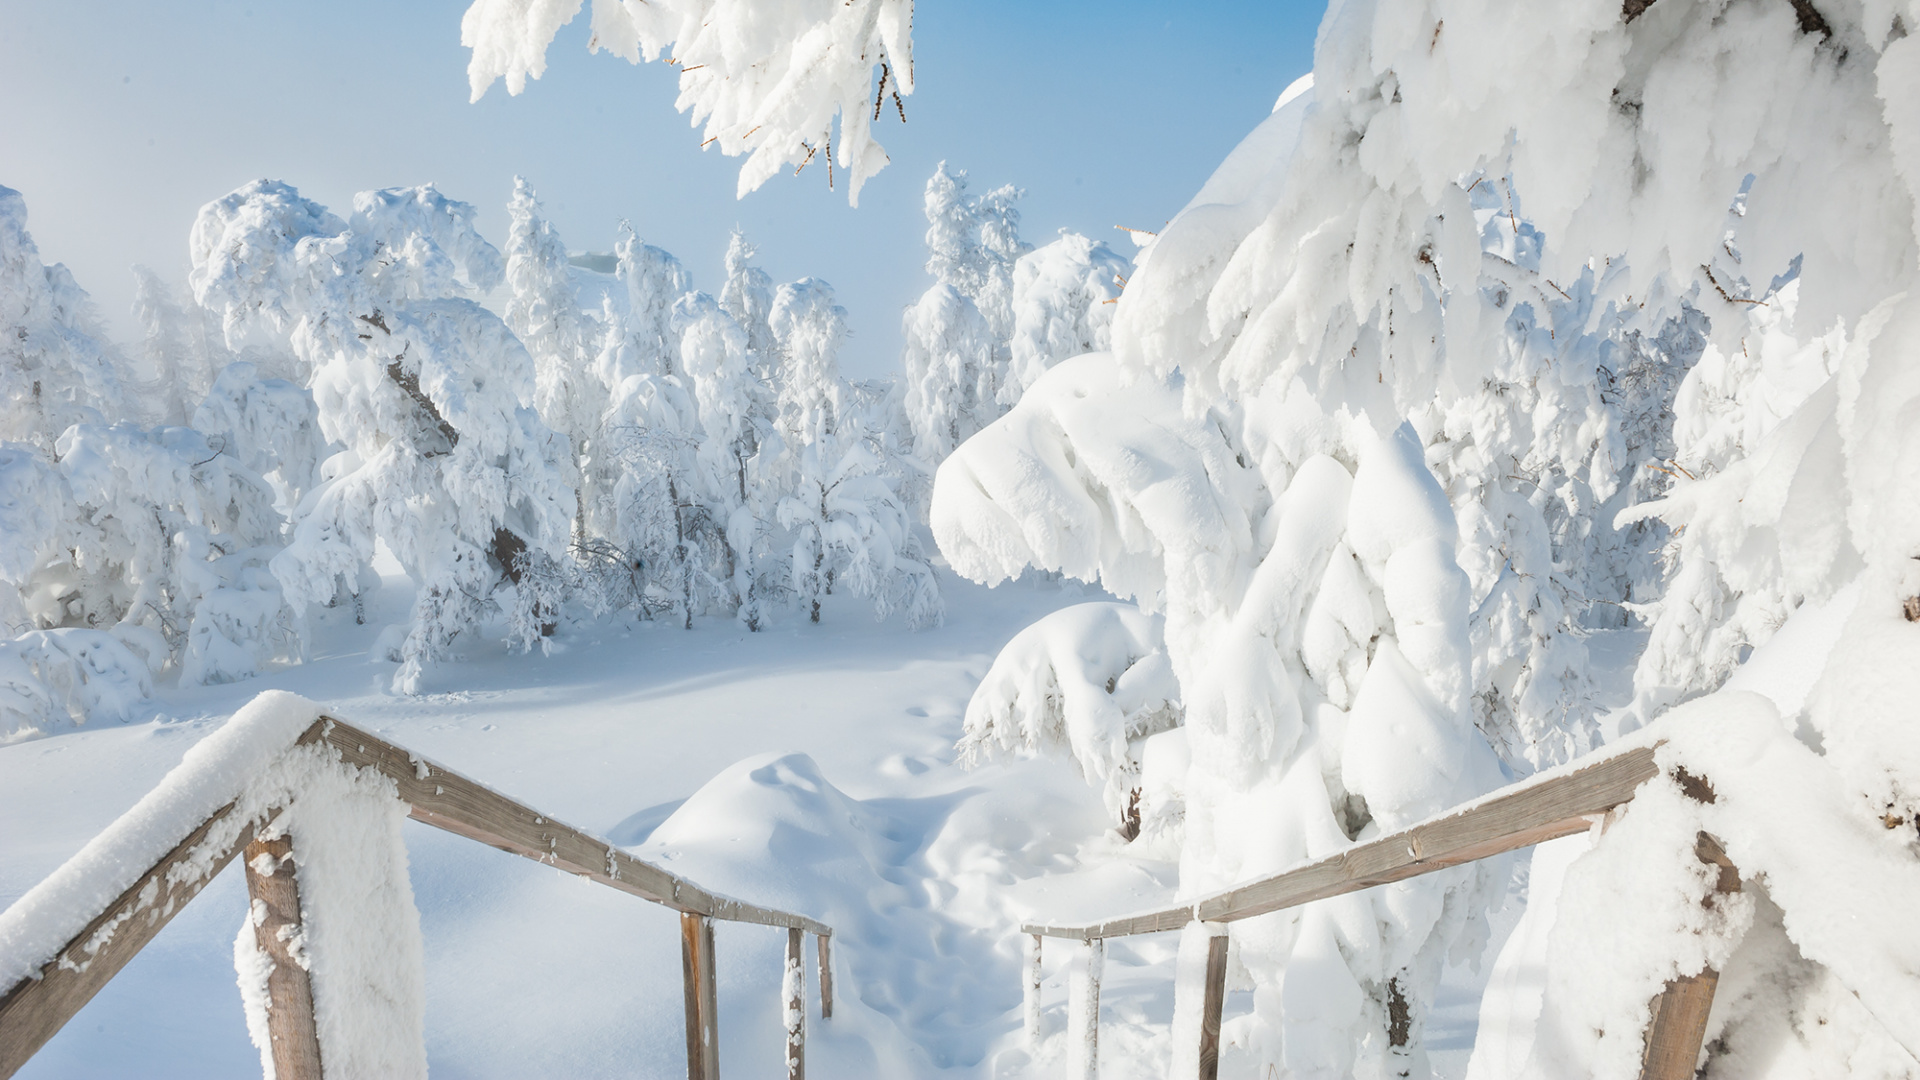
(34, 1009)
(1525, 814)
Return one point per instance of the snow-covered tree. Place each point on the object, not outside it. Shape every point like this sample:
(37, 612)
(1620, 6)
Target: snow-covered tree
(747, 295)
(949, 371)
(431, 394)
(271, 425)
(176, 376)
(564, 341)
(733, 433)
(1088, 681)
(1062, 303)
(55, 366)
(957, 350)
(848, 523)
(766, 78)
(647, 343)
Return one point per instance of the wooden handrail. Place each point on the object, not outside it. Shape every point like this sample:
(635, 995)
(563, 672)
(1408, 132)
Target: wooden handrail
(447, 800)
(1560, 803)
(1525, 814)
(34, 1009)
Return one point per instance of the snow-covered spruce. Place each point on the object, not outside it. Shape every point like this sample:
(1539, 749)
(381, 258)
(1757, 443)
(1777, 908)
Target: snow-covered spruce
(430, 394)
(1088, 680)
(957, 335)
(56, 368)
(767, 79)
(848, 523)
(1063, 297)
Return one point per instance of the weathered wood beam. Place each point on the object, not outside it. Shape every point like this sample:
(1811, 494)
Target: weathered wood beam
(34, 1010)
(1212, 1004)
(702, 997)
(823, 948)
(275, 896)
(1525, 814)
(796, 1006)
(1679, 1025)
(446, 800)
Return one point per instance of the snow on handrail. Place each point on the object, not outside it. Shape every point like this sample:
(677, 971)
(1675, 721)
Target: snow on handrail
(56, 985)
(1544, 807)
(447, 800)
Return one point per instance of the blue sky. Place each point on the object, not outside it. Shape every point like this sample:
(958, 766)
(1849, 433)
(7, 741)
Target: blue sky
(122, 118)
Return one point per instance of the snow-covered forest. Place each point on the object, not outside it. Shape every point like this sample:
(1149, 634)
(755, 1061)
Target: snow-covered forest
(1532, 383)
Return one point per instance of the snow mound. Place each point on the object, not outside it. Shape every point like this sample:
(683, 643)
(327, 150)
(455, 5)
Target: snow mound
(912, 983)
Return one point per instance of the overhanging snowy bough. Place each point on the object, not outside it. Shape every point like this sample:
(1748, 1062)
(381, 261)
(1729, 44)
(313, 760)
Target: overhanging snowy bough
(1586, 795)
(330, 957)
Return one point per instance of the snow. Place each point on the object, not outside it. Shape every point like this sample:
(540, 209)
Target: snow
(212, 773)
(768, 80)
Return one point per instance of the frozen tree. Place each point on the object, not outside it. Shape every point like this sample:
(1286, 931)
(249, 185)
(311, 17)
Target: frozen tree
(957, 334)
(973, 242)
(1089, 681)
(748, 297)
(271, 425)
(179, 365)
(949, 369)
(647, 342)
(1063, 297)
(1335, 278)
(430, 394)
(734, 501)
(766, 78)
(1317, 624)
(657, 526)
(848, 523)
(55, 366)
(544, 311)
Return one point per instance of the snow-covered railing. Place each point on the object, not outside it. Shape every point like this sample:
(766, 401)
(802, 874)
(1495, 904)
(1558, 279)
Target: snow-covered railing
(1562, 802)
(51, 970)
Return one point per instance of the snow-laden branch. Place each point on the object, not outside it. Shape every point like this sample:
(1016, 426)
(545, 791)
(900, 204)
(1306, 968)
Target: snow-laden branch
(767, 78)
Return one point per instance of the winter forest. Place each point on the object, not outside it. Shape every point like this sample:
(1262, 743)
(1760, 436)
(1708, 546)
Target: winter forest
(1529, 390)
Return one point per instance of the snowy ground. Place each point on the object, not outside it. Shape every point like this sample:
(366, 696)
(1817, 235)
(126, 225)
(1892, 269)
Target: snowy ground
(806, 767)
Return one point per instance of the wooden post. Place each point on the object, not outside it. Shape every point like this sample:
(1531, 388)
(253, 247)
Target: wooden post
(795, 992)
(1032, 989)
(1083, 1013)
(1679, 1024)
(275, 897)
(1211, 1005)
(822, 943)
(702, 997)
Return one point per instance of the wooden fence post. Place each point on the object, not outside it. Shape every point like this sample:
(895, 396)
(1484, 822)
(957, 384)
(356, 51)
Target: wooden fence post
(822, 943)
(275, 900)
(703, 1021)
(1679, 1024)
(1083, 1013)
(795, 992)
(1212, 1003)
(1032, 989)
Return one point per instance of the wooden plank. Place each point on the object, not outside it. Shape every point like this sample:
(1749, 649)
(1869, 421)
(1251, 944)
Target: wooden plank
(1083, 1012)
(34, 1010)
(275, 896)
(702, 996)
(1030, 998)
(1679, 1024)
(823, 946)
(796, 1006)
(447, 800)
(1528, 813)
(1212, 1004)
